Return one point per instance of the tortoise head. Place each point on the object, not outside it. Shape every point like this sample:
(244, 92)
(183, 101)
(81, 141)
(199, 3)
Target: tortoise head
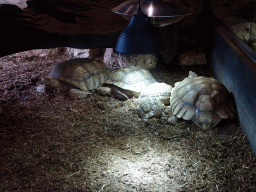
(54, 85)
(206, 120)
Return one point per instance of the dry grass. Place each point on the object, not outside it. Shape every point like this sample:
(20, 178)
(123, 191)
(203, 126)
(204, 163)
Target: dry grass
(53, 143)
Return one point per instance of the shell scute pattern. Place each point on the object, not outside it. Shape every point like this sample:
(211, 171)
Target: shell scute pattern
(82, 73)
(184, 107)
(189, 112)
(131, 78)
(160, 91)
(203, 100)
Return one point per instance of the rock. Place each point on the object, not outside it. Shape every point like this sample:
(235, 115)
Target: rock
(40, 88)
(20, 3)
(192, 58)
(78, 53)
(147, 61)
(84, 53)
(39, 52)
(115, 60)
(111, 61)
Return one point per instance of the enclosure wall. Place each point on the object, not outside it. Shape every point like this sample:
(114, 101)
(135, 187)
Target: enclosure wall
(236, 69)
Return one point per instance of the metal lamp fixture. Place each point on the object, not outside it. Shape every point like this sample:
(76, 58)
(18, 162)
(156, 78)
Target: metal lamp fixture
(140, 36)
(160, 12)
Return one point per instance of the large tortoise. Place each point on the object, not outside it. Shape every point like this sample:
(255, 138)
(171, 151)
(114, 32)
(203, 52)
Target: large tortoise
(129, 81)
(203, 100)
(77, 77)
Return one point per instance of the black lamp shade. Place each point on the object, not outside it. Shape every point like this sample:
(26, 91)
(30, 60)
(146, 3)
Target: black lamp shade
(140, 37)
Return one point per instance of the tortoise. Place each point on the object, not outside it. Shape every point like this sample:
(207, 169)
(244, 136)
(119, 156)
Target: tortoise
(160, 91)
(152, 100)
(150, 107)
(128, 82)
(203, 100)
(77, 77)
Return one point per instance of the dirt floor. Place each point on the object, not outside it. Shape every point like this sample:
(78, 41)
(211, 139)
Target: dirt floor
(54, 143)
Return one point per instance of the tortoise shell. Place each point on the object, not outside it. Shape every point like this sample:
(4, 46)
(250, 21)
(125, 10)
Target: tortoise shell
(203, 100)
(131, 78)
(82, 73)
(161, 91)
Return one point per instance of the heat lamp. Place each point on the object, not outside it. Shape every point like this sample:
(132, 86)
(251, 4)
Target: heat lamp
(141, 36)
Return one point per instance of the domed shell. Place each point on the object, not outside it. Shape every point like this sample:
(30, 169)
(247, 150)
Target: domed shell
(203, 100)
(131, 78)
(82, 73)
(161, 91)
